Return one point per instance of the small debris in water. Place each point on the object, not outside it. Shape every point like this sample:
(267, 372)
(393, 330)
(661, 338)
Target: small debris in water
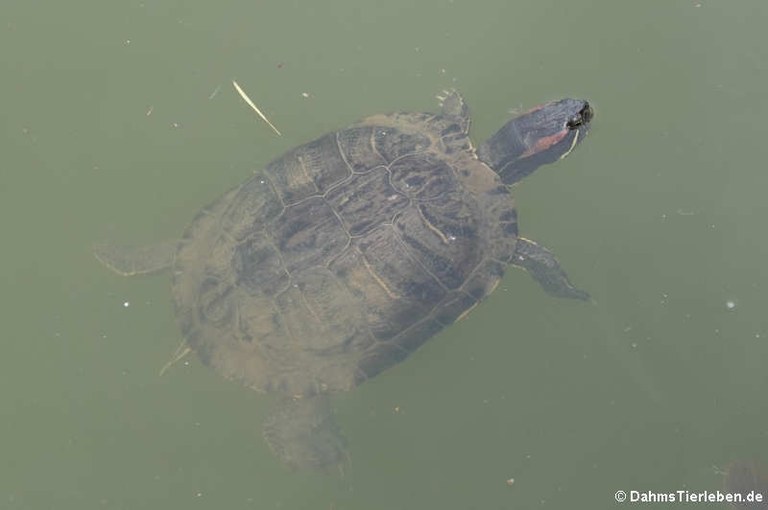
(215, 91)
(730, 304)
(149, 111)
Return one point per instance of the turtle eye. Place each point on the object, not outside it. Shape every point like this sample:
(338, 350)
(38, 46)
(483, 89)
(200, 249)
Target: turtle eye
(583, 117)
(574, 121)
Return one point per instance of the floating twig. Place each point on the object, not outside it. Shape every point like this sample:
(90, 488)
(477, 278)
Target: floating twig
(255, 108)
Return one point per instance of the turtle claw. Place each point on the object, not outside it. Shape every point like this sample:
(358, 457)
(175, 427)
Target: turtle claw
(180, 353)
(446, 94)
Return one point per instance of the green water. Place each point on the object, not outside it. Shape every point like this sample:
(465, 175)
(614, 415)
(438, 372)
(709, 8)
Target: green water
(119, 122)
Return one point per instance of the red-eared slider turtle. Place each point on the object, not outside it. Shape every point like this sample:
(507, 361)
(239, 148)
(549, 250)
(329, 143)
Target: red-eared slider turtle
(349, 252)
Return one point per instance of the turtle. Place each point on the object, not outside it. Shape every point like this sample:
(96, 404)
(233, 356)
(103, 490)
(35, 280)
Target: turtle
(344, 255)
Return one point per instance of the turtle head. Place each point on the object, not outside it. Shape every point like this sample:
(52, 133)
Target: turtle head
(541, 135)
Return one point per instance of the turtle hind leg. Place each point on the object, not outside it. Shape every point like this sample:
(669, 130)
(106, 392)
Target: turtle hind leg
(136, 260)
(542, 265)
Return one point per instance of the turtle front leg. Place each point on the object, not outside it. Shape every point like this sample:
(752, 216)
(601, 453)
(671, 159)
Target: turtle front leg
(452, 105)
(542, 265)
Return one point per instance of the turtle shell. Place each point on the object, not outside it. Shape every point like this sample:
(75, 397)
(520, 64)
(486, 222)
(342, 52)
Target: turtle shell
(344, 255)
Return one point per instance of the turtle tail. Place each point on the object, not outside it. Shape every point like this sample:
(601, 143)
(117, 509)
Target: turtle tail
(304, 434)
